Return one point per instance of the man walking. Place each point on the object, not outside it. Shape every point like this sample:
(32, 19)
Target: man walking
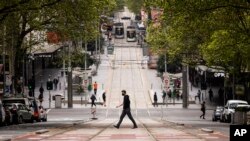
(155, 100)
(104, 98)
(93, 99)
(95, 87)
(203, 109)
(125, 111)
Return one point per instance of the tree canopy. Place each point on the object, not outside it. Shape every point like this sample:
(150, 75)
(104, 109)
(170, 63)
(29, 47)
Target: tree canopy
(24, 23)
(215, 32)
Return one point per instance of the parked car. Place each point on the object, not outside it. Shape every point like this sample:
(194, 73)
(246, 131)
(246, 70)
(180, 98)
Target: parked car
(229, 109)
(217, 113)
(2, 114)
(24, 101)
(31, 103)
(43, 113)
(20, 112)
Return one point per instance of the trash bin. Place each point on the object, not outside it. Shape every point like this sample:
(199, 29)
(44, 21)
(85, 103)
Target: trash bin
(58, 101)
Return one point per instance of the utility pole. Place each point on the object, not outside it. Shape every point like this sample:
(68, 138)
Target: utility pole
(70, 97)
(4, 77)
(184, 87)
(85, 68)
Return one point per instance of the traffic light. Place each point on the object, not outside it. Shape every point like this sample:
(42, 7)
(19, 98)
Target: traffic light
(31, 84)
(49, 85)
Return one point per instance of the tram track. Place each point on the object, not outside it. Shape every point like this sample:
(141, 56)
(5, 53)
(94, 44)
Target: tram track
(144, 84)
(53, 132)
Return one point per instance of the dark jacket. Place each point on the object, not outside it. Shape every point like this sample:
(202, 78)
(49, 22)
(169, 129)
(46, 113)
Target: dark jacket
(155, 97)
(93, 98)
(126, 102)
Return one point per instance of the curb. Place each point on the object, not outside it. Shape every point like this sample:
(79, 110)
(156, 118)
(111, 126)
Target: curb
(207, 130)
(42, 131)
(7, 139)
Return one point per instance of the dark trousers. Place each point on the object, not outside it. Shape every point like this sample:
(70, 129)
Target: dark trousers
(203, 114)
(155, 104)
(92, 103)
(124, 113)
(95, 90)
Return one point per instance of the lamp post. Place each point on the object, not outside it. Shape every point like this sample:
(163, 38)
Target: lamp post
(70, 97)
(4, 77)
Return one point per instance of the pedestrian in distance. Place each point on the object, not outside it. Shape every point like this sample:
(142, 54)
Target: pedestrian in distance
(155, 100)
(93, 99)
(41, 89)
(40, 97)
(211, 94)
(203, 109)
(95, 87)
(169, 93)
(164, 94)
(104, 98)
(55, 81)
(198, 95)
(220, 93)
(125, 111)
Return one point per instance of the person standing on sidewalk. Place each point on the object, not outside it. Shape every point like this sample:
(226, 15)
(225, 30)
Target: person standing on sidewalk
(55, 81)
(198, 95)
(211, 94)
(95, 87)
(155, 100)
(125, 111)
(203, 109)
(104, 98)
(164, 94)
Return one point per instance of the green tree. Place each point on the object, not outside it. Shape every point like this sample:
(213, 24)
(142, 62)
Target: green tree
(210, 30)
(21, 20)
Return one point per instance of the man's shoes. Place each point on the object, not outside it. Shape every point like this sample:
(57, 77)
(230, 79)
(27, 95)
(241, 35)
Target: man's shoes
(116, 126)
(134, 127)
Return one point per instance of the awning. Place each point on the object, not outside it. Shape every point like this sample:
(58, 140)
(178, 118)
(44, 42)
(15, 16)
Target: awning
(45, 49)
(209, 69)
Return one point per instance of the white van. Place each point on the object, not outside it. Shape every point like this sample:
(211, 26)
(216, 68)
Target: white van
(230, 109)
